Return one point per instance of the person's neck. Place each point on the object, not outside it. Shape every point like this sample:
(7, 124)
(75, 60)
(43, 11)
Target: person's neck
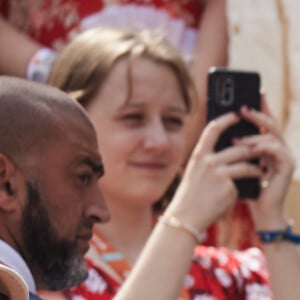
(128, 229)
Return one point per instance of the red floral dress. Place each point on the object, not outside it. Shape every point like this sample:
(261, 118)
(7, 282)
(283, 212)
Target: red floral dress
(215, 274)
(54, 23)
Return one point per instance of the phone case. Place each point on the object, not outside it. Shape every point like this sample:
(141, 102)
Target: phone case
(228, 90)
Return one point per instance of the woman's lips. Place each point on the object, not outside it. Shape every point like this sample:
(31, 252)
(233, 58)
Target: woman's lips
(149, 165)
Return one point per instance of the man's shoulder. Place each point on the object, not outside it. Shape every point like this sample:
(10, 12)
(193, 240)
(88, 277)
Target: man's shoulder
(33, 297)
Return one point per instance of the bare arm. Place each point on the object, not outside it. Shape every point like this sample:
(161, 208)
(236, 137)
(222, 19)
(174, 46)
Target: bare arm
(284, 265)
(160, 270)
(16, 50)
(282, 257)
(155, 275)
(211, 50)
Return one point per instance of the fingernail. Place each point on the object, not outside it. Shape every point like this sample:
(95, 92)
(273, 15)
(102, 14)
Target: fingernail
(251, 147)
(262, 130)
(244, 109)
(263, 90)
(235, 140)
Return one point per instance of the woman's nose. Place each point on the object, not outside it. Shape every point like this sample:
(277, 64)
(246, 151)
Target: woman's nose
(156, 136)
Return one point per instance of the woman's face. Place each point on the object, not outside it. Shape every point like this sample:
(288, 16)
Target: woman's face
(141, 140)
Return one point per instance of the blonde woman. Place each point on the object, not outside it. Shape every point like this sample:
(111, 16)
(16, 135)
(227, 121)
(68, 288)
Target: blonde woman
(138, 93)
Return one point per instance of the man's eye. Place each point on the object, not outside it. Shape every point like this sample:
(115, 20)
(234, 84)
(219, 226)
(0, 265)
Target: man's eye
(101, 171)
(85, 178)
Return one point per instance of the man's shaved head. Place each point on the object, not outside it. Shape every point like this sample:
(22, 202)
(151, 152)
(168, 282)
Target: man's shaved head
(30, 115)
(49, 193)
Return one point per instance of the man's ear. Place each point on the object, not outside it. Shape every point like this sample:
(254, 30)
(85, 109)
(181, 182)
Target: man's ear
(7, 184)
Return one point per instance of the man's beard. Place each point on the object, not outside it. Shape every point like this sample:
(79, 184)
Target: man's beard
(55, 258)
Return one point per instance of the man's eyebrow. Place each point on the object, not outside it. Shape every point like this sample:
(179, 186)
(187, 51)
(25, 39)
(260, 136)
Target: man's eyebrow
(97, 168)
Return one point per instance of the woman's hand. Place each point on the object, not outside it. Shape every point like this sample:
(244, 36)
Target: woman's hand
(207, 187)
(277, 164)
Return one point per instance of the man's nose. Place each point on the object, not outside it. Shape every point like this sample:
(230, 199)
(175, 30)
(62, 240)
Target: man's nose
(97, 209)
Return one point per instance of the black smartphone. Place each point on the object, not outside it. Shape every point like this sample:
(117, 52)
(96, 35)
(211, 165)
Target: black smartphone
(228, 90)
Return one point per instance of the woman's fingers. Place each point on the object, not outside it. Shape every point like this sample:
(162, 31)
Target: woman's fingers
(264, 104)
(275, 150)
(261, 120)
(234, 154)
(212, 132)
(265, 144)
(242, 170)
(253, 140)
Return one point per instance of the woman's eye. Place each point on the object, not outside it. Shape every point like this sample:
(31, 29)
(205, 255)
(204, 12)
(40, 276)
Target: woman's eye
(173, 122)
(133, 117)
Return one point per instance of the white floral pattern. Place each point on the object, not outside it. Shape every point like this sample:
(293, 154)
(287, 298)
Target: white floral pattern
(215, 274)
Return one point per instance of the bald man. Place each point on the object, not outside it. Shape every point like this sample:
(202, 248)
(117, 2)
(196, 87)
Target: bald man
(49, 195)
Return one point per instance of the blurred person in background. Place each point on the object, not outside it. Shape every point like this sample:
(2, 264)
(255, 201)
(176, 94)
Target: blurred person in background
(138, 93)
(263, 36)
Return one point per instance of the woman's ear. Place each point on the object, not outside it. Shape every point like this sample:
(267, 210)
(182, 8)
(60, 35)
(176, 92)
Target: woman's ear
(7, 184)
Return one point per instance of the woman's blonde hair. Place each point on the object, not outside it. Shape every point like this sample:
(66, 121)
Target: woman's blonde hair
(85, 63)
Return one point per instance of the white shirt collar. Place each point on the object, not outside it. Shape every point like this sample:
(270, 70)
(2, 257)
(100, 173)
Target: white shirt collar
(10, 257)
